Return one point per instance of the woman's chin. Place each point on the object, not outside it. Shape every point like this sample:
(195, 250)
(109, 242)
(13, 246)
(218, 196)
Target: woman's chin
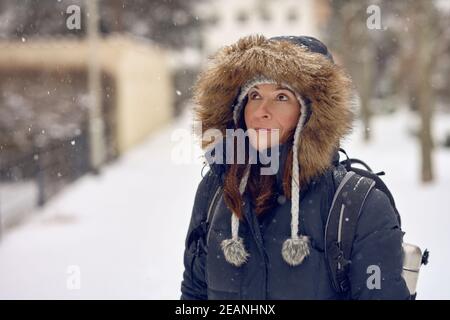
(262, 144)
(263, 140)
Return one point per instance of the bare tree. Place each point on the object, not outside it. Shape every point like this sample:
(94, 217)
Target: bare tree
(356, 51)
(424, 64)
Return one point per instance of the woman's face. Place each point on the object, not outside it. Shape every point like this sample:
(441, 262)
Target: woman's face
(270, 109)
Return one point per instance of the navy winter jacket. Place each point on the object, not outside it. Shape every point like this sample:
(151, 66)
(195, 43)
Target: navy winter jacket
(266, 275)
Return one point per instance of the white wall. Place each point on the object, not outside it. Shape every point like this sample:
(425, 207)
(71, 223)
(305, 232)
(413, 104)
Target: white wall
(228, 29)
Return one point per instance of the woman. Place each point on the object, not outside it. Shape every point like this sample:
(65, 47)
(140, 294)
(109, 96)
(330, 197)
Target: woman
(265, 233)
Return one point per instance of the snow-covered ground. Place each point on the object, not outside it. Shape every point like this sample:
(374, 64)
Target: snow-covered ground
(121, 234)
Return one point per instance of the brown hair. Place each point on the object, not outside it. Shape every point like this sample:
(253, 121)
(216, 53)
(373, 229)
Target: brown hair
(261, 188)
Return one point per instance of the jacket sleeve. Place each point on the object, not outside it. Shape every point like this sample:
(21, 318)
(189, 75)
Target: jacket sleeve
(377, 254)
(193, 285)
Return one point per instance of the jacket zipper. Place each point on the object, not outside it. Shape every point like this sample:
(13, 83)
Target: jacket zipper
(257, 236)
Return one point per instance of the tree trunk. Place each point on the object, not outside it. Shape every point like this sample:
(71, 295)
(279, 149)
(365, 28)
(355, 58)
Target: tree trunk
(425, 98)
(366, 87)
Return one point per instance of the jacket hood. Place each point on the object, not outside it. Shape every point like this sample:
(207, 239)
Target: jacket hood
(321, 82)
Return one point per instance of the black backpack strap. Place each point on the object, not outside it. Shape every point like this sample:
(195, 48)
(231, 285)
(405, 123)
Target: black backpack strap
(341, 224)
(380, 185)
(213, 186)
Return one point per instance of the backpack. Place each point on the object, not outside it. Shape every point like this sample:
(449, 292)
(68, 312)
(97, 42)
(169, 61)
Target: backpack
(353, 186)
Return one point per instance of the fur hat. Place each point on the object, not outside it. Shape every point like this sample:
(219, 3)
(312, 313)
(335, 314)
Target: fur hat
(323, 89)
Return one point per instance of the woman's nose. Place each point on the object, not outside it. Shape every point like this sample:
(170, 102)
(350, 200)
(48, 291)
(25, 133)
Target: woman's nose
(262, 110)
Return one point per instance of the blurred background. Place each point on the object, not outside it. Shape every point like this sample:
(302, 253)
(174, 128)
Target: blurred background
(98, 163)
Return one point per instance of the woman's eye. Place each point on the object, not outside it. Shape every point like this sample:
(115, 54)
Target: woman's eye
(282, 97)
(254, 95)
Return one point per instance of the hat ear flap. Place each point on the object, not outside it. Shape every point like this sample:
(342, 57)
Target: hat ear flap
(238, 117)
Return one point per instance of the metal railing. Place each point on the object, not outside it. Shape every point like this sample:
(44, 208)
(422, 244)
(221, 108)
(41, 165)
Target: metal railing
(29, 180)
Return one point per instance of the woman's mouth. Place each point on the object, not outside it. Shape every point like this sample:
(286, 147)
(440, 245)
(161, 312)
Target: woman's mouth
(265, 129)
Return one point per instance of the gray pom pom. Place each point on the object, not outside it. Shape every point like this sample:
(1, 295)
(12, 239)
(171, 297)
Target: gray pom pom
(234, 251)
(295, 250)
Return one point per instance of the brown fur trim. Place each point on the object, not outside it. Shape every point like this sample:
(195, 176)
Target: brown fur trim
(311, 74)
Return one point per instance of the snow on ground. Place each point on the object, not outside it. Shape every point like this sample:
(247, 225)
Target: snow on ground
(124, 230)
(122, 233)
